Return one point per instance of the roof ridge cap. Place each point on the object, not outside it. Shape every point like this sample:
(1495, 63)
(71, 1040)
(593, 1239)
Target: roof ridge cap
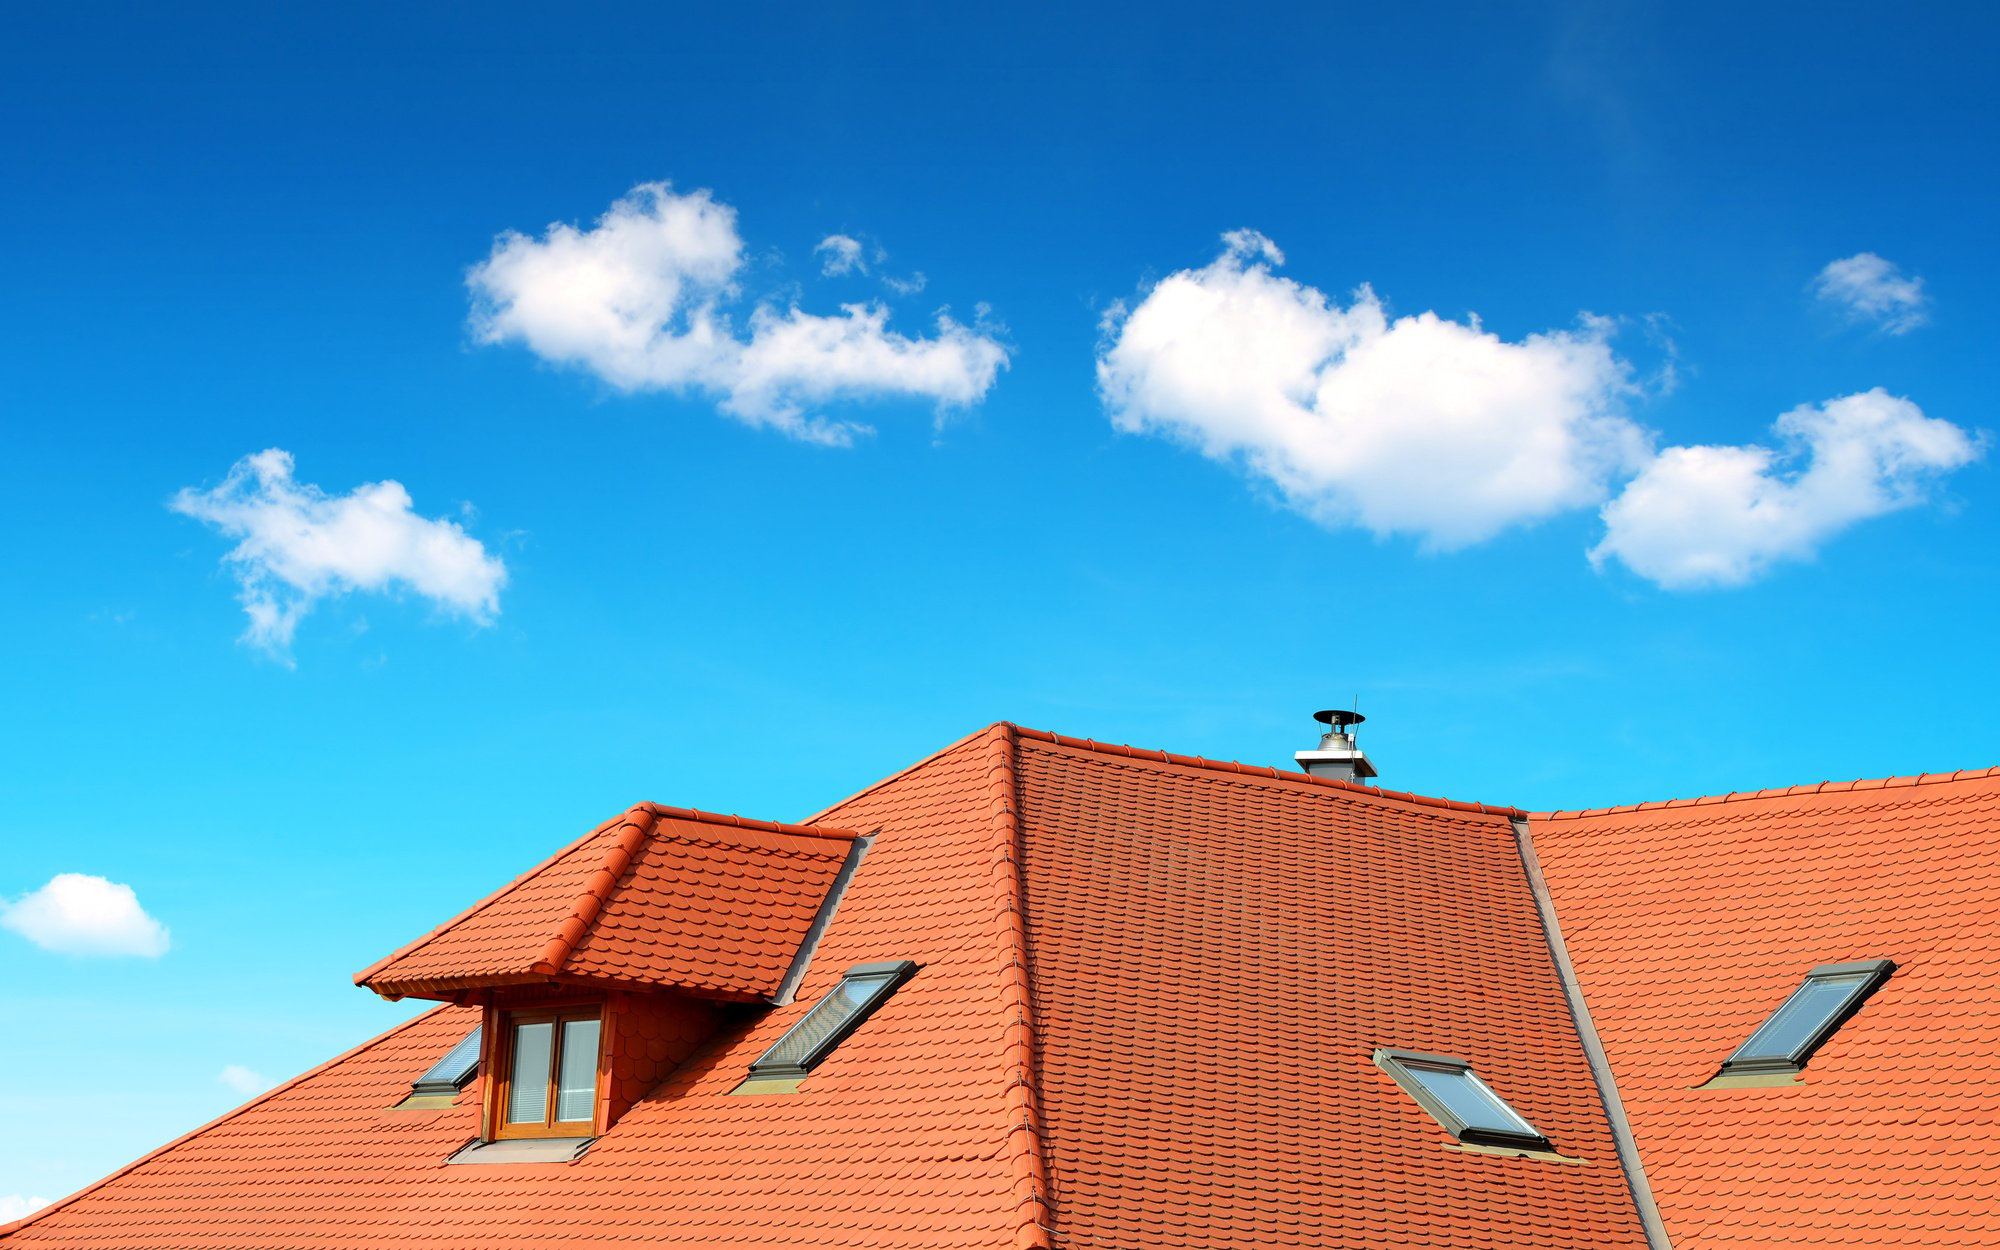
(697, 816)
(10, 1228)
(362, 977)
(1029, 1164)
(598, 888)
(1261, 770)
(1778, 792)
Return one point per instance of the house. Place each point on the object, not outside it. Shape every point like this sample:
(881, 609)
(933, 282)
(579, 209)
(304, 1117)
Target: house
(1036, 991)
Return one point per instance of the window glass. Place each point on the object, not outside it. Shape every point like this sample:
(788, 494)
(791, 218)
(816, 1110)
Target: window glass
(826, 1019)
(1469, 1098)
(1809, 1007)
(528, 1086)
(576, 1083)
(450, 1074)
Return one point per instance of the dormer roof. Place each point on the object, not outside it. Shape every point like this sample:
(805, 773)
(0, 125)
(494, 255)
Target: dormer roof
(657, 897)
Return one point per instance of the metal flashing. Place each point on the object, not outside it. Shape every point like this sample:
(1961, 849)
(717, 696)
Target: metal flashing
(1593, 1046)
(788, 987)
(522, 1150)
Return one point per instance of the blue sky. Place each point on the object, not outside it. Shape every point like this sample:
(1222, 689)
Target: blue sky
(627, 557)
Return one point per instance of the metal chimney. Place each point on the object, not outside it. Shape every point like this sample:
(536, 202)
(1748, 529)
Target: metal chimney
(1337, 756)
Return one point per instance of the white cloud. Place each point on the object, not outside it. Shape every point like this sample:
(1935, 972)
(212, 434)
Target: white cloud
(243, 1080)
(839, 254)
(83, 915)
(1418, 425)
(299, 544)
(1868, 288)
(638, 299)
(14, 1206)
(1721, 516)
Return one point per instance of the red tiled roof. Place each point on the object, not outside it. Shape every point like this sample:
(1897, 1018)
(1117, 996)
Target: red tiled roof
(1217, 952)
(659, 896)
(1148, 995)
(1690, 921)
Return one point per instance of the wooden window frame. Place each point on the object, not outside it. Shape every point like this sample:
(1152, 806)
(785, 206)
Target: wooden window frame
(507, 1019)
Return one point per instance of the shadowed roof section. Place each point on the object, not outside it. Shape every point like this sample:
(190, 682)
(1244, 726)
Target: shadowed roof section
(714, 906)
(1690, 921)
(1217, 950)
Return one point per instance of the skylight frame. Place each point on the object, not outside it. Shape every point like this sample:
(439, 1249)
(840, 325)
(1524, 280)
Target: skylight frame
(1868, 976)
(1405, 1066)
(889, 977)
(453, 1071)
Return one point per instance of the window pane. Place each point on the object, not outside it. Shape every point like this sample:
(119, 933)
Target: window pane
(450, 1074)
(1809, 1007)
(824, 1020)
(576, 1084)
(1470, 1099)
(528, 1087)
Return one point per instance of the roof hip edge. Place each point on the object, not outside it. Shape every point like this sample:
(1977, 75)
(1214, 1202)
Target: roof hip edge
(610, 871)
(363, 977)
(1260, 770)
(1737, 796)
(1029, 1164)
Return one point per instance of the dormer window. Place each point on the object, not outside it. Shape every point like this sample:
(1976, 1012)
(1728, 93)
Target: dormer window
(1456, 1098)
(1804, 1021)
(548, 1064)
(865, 987)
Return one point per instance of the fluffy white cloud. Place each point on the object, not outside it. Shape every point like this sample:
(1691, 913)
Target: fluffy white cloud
(1418, 425)
(638, 299)
(83, 915)
(1721, 516)
(298, 544)
(243, 1080)
(839, 254)
(14, 1206)
(1868, 288)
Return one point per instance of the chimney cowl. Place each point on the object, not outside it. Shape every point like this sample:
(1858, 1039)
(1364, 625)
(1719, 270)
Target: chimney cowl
(1336, 756)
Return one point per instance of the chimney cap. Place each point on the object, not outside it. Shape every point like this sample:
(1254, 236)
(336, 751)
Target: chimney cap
(1337, 719)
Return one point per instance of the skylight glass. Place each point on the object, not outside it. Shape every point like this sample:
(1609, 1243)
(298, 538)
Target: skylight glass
(832, 1018)
(1456, 1098)
(1831, 993)
(451, 1073)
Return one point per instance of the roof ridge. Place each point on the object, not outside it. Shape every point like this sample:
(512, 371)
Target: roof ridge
(1024, 1134)
(1822, 787)
(362, 977)
(747, 822)
(1259, 770)
(596, 889)
(903, 772)
(10, 1228)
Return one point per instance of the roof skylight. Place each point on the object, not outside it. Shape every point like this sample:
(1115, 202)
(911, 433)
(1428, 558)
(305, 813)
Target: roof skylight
(1456, 1098)
(1831, 993)
(440, 1084)
(832, 1018)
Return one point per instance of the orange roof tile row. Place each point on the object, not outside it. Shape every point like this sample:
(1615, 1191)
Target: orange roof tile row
(657, 896)
(1689, 922)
